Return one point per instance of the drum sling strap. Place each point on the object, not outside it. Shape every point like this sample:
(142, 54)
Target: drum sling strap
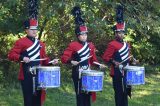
(128, 87)
(80, 76)
(92, 93)
(33, 72)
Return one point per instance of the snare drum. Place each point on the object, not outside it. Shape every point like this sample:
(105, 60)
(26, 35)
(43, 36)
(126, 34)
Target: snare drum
(47, 76)
(92, 80)
(135, 75)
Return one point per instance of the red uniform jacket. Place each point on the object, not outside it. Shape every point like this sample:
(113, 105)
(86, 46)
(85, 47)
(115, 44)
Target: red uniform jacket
(112, 52)
(73, 48)
(20, 46)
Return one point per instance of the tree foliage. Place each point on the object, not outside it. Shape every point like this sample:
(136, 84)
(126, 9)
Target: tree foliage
(56, 26)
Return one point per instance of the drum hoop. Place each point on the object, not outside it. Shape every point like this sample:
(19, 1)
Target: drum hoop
(49, 86)
(92, 90)
(49, 68)
(134, 68)
(137, 83)
(92, 73)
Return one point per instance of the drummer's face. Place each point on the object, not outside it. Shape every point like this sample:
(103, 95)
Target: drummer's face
(31, 32)
(83, 37)
(120, 34)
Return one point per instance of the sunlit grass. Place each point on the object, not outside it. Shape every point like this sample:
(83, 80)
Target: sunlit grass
(142, 95)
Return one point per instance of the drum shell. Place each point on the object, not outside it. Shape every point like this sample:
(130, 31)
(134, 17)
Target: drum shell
(92, 81)
(135, 75)
(47, 77)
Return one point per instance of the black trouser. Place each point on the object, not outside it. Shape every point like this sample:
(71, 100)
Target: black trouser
(119, 85)
(82, 97)
(30, 99)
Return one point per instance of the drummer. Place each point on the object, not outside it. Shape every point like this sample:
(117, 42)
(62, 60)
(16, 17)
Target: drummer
(116, 52)
(76, 52)
(25, 50)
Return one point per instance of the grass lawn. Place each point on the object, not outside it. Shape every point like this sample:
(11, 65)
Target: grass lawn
(143, 95)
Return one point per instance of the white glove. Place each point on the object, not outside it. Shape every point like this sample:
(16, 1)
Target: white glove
(26, 59)
(74, 63)
(54, 61)
(102, 66)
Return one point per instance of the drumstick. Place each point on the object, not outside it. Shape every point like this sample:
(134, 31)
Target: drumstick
(98, 64)
(134, 59)
(53, 60)
(37, 59)
(125, 59)
(85, 59)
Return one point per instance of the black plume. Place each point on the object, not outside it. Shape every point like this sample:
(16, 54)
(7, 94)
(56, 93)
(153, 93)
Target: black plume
(119, 14)
(33, 9)
(76, 12)
(79, 21)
